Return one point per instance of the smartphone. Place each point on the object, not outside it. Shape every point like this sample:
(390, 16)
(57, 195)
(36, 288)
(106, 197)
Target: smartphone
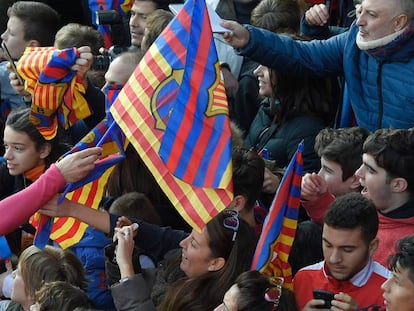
(325, 295)
(11, 61)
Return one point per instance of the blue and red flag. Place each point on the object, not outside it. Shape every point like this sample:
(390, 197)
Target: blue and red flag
(174, 111)
(273, 248)
(57, 92)
(67, 231)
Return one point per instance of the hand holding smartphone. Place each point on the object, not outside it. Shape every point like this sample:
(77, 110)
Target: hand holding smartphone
(325, 295)
(11, 62)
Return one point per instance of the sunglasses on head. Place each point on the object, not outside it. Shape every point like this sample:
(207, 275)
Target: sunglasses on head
(274, 292)
(231, 221)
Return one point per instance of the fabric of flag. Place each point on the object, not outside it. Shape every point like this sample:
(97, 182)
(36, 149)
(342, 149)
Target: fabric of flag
(43, 225)
(121, 6)
(273, 248)
(57, 92)
(67, 231)
(106, 135)
(174, 111)
(5, 251)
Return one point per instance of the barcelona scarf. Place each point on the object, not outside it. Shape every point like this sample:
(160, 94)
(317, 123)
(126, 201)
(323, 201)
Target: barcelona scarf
(174, 112)
(273, 248)
(57, 92)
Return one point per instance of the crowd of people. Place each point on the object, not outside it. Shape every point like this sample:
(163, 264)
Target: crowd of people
(334, 74)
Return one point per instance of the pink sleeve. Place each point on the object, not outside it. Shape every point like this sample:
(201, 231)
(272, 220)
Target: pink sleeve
(17, 208)
(316, 209)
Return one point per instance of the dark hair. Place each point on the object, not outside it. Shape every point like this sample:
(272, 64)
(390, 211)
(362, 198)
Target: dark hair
(38, 266)
(297, 94)
(393, 150)
(40, 21)
(404, 256)
(280, 16)
(287, 301)
(19, 121)
(252, 287)
(351, 211)
(300, 95)
(155, 24)
(307, 245)
(248, 175)
(207, 291)
(343, 146)
(136, 205)
(62, 296)
(132, 175)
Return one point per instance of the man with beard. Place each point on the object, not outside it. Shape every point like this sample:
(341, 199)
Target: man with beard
(348, 270)
(386, 175)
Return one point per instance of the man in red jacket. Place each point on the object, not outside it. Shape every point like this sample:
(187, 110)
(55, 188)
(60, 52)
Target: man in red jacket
(348, 270)
(387, 178)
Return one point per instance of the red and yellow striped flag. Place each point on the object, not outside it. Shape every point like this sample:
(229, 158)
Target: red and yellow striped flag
(273, 248)
(57, 92)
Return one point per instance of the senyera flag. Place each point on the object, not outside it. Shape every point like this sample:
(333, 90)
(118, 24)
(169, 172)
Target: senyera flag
(174, 112)
(272, 251)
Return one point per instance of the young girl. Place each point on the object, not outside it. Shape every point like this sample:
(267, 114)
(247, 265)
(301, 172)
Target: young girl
(37, 267)
(27, 156)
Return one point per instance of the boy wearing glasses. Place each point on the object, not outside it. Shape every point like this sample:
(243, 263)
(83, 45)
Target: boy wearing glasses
(348, 270)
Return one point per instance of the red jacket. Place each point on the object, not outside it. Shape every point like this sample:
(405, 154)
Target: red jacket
(364, 287)
(316, 209)
(390, 230)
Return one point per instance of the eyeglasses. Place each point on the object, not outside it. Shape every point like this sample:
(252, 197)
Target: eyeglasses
(231, 221)
(274, 292)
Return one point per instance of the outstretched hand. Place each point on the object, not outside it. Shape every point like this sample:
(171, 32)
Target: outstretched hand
(77, 165)
(237, 36)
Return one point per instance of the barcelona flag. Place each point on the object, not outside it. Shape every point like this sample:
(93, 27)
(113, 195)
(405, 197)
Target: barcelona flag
(272, 251)
(67, 231)
(174, 112)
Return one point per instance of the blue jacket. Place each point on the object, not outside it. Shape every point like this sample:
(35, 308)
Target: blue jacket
(90, 251)
(379, 81)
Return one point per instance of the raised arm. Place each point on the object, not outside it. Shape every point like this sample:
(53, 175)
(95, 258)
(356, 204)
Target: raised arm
(16, 209)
